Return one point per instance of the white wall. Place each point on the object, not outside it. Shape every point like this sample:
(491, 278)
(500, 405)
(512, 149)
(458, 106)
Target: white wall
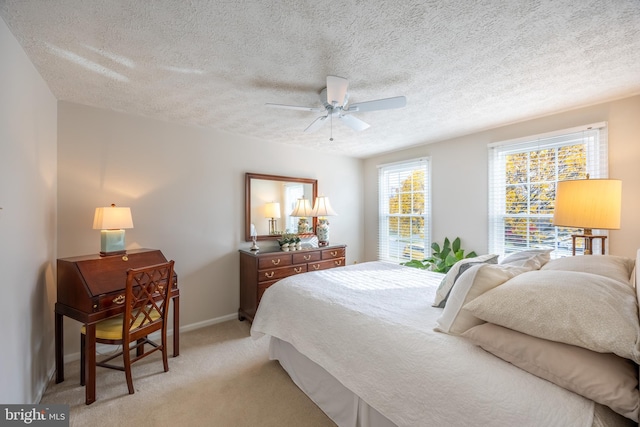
(185, 187)
(460, 176)
(27, 224)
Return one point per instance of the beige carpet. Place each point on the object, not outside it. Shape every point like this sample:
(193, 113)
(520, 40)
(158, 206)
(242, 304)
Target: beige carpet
(221, 378)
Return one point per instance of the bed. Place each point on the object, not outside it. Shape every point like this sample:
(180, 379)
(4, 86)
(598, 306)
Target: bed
(515, 343)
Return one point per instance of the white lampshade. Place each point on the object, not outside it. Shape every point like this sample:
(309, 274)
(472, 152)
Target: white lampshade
(272, 210)
(588, 204)
(112, 221)
(302, 209)
(322, 207)
(112, 218)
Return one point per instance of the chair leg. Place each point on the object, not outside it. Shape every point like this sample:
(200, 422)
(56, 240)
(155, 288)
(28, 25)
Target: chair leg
(140, 349)
(126, 354)
(165, 360)
(82, 356)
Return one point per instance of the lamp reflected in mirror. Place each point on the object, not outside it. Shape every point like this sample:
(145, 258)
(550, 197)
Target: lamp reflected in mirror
(272, 212)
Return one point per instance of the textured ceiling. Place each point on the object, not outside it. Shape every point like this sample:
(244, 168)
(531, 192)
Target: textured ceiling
(463, 65)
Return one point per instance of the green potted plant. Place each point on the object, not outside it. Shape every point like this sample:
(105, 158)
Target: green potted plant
(442, 258)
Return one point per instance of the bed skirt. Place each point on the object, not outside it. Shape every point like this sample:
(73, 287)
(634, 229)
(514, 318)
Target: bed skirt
(340, 404)
(347, 409)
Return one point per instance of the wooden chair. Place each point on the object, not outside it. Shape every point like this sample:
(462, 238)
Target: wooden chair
(147, 296)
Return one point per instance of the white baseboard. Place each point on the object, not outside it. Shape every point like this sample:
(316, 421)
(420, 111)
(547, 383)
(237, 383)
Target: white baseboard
(106, 349)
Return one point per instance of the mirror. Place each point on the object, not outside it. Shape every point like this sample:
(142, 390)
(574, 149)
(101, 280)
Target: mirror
(267, 195)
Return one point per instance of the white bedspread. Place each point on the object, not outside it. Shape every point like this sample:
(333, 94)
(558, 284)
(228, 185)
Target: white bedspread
(370, 325)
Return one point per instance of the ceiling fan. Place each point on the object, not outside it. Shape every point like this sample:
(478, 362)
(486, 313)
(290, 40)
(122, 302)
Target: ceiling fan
(335, 100)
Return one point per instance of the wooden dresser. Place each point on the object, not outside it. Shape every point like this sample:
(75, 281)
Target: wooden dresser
(259, 270)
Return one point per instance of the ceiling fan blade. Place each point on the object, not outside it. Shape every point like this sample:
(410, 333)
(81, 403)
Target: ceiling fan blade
(354, 123)
(317, 124)
(294, 107)
(378, 104)
(336, 89)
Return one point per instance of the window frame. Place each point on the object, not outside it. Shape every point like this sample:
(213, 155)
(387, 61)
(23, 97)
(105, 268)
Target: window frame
(390, 250)
(595, 138)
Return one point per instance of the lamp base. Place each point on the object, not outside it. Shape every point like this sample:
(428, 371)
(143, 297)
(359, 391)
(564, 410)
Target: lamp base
(112, 242)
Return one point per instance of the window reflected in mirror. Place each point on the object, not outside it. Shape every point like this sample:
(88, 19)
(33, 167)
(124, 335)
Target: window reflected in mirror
(270, 200)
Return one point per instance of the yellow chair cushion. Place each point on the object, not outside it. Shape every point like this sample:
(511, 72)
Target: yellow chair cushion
(111, 328)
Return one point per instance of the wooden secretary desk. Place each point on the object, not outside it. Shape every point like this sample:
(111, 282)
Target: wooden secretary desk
(90, 289)
(259, 270)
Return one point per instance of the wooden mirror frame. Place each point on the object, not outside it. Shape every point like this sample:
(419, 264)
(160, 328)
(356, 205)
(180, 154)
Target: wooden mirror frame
(247, 201)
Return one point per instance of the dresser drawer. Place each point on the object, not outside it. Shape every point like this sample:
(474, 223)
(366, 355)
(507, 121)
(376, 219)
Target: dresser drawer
(302, 257)
(333, 253)
(263, 287)
(280, 273)
(323, 265)
(274, 261)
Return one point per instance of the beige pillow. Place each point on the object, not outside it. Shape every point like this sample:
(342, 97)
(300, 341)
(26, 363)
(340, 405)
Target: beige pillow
(534, 259)
(456, 270)
(471, 284)
(582, 309)
(602, 377)
(614, 267)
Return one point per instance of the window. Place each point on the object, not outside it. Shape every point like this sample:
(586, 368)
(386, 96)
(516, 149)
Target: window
(404, 210)
(522, 183)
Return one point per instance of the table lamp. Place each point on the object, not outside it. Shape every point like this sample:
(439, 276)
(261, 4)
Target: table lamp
(322, 209)
(112, 221)
(588, 204)
(302, 211)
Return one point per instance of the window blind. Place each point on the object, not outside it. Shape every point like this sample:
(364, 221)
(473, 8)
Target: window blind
(404, 210)
(522, 181)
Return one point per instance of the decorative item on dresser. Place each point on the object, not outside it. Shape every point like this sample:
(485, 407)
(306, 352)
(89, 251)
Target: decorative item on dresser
(322, 209)
(260, 270)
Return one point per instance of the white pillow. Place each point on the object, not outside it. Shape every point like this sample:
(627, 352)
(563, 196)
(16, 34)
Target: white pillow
(581, 309)
(442, 293)
(614, 267)
(472, 283)
(532, 258)
(602, 377)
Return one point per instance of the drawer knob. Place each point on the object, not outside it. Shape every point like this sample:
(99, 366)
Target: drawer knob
(316, 266)
(270, 275)
(334, 253)
(297, 269)
(119, 299)
(275, 261)
(306, 257)
(338, 262)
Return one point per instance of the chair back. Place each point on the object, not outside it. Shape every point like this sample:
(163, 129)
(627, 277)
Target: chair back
(147, 296)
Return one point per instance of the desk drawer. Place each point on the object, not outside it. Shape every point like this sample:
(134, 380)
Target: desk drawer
(280, 273)
(115, 300)
(107, 301)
